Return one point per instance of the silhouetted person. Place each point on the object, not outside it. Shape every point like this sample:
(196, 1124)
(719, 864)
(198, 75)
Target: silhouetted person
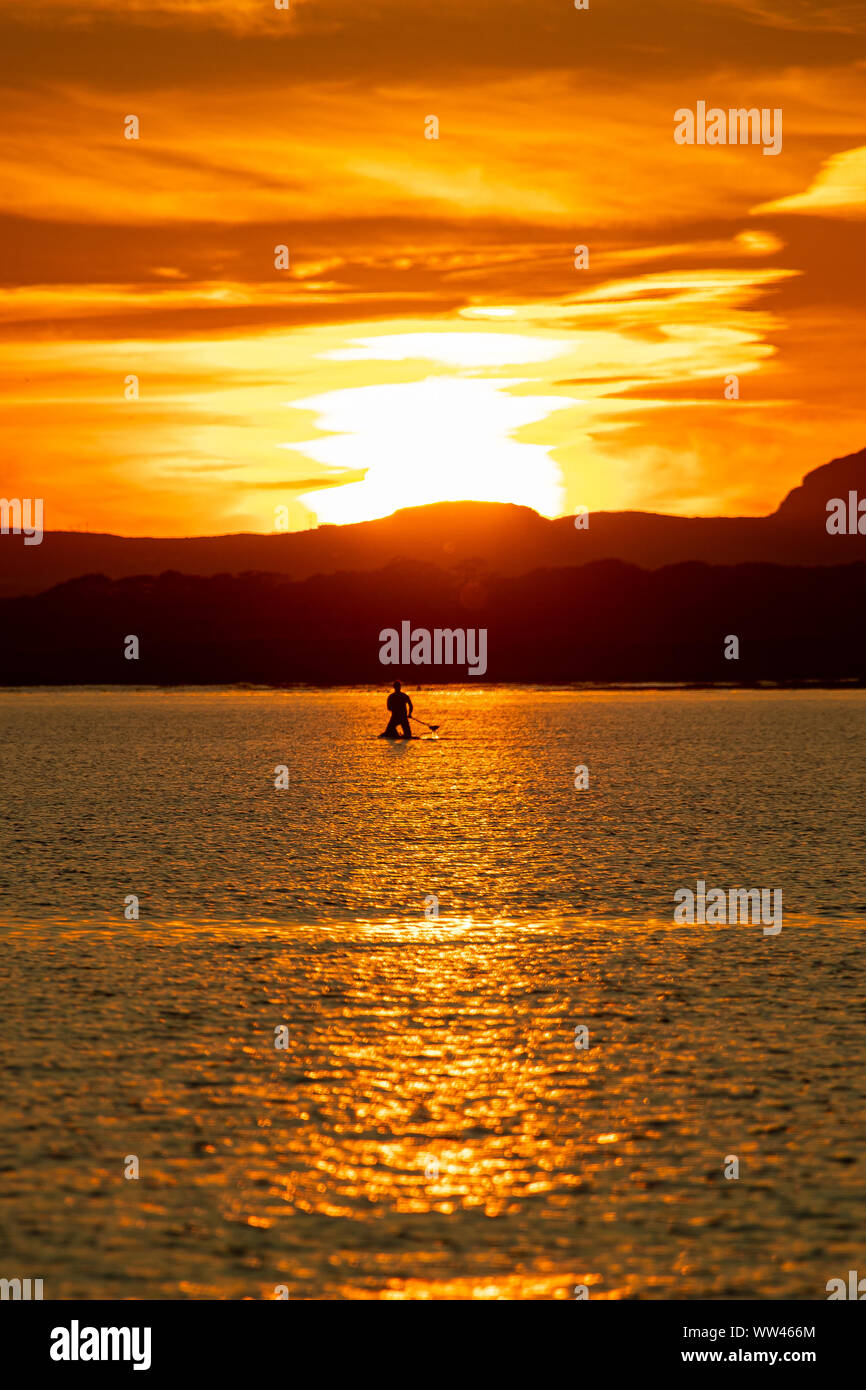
(400, 707)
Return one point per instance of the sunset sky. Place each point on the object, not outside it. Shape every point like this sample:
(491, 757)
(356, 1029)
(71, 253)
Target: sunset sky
(432, 337)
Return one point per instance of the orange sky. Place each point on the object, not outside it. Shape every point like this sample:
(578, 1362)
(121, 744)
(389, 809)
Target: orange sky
(432, 337)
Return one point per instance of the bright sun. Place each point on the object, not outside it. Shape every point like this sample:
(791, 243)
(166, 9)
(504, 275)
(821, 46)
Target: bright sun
(439, 438)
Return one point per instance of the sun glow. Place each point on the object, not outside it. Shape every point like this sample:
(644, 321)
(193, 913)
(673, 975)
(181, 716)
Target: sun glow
(436, 440)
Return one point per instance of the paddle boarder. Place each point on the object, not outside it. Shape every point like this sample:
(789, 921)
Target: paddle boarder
(400, 707)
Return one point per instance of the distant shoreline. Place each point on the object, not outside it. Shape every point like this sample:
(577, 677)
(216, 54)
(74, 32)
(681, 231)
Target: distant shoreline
(418, 688)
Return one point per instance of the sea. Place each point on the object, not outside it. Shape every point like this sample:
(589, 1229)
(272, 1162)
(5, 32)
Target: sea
(291, 1011)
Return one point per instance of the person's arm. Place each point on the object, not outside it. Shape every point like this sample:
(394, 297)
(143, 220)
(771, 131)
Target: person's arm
(411, 706)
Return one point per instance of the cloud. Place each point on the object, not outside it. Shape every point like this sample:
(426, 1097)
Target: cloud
(838, 191)
(234, 42)
(305, 127)
(465, 349)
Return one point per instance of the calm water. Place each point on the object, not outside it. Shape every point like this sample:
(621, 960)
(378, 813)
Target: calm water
(431, 1130)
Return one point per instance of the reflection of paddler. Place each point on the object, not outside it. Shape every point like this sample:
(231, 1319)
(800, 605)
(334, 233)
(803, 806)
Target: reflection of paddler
(400, 707)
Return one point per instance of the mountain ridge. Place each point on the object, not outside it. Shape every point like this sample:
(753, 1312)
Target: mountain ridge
(607, 622)
(504, 538)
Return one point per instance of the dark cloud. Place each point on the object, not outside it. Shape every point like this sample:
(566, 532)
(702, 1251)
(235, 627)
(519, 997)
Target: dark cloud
(345, 475)
(166, 323)
(368, 44)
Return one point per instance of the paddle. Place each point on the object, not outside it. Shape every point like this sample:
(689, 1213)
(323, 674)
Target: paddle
(431, 727)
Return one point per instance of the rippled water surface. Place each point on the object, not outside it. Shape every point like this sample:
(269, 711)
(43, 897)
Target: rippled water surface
(431, 1129)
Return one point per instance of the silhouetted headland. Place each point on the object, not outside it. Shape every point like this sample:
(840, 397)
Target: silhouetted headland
(606, 622)
(507, 540)
(558, 604)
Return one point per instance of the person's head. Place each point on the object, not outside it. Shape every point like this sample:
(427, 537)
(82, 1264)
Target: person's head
(397, 685)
